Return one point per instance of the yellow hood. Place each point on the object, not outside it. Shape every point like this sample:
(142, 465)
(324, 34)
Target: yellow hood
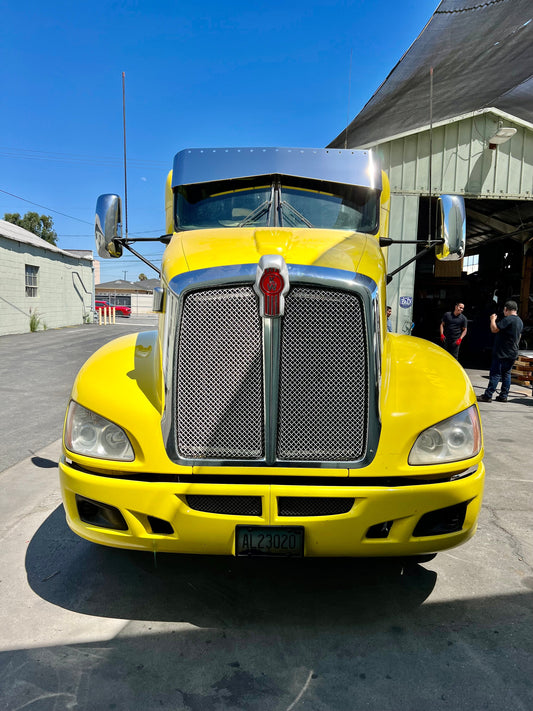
(337, 249)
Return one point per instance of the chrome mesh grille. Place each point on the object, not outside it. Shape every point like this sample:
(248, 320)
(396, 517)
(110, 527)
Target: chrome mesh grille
(219, 376)
(323, 379)
(322, 370)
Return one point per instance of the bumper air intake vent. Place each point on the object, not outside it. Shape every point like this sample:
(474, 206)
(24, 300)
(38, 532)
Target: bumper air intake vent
(96, 513)
(379, 530)
(442, 521)
(313, 506)
(229, 505)
(160, 526)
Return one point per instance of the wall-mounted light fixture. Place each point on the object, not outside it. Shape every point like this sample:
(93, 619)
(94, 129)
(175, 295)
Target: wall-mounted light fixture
(502, 135)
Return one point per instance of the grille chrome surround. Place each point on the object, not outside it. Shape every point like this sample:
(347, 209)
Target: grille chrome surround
(209, 373)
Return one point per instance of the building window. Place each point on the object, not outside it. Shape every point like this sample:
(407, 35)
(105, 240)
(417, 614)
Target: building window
(31, 280)
(471, 264)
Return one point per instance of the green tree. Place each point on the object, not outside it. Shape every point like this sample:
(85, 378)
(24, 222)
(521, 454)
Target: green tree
(142, 276)
(42, 226)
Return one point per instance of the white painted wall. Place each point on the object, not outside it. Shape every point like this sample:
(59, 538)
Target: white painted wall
(141, 303)
(64, 293)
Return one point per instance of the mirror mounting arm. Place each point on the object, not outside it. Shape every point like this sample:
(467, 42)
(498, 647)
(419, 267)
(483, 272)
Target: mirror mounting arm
(129, 240)
(428, 248)
(450, 246)
(387, 241)
(139, 256)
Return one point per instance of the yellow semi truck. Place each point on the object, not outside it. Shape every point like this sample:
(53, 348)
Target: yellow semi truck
(272, 413)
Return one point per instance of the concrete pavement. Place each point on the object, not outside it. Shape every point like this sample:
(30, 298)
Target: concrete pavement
(89, 628)
(36, 374)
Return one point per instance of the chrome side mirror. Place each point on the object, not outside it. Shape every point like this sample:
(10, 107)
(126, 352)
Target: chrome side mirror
(159, 300)
(452, 217)
(107, 226)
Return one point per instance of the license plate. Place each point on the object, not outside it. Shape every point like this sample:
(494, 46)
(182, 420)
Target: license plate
(270, 541)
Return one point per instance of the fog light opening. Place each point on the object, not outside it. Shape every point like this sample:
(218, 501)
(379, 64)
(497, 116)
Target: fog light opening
(96, 513)
(160, 526)
(379, 530)
(442, 521)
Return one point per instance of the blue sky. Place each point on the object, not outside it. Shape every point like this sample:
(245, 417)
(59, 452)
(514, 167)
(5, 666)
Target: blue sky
(202, 74)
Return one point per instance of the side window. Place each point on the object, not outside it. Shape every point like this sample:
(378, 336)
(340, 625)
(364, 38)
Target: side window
(31, 279)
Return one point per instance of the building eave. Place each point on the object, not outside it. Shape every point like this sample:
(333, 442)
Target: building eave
(446, 122)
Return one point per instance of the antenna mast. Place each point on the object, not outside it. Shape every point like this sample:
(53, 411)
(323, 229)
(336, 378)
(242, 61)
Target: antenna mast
(125, 170)
(430, 148)
(124, 240)
(349, 90)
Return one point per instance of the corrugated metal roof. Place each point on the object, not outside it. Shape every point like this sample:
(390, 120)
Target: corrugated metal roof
(482, 57)
(19, 234)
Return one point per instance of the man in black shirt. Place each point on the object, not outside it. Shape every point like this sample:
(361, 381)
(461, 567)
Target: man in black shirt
(453, 329)
(504, 352)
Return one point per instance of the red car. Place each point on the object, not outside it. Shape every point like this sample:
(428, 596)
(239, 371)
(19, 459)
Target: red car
(119, 310)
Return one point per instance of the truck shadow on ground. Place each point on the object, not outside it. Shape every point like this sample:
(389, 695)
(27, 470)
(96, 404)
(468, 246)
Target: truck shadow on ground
(249, 635)
(212, 590)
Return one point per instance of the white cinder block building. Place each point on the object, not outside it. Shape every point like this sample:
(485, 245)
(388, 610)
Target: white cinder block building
(37, 278)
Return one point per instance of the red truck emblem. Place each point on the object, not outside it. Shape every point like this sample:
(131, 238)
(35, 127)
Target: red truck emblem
(271, 284)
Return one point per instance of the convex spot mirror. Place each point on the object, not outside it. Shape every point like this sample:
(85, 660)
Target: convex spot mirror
(452, 223)
(107, 226)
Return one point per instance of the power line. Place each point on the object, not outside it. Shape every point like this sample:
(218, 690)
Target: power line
(110, 161)
(63, 214)
(140, 232)
(70, 217)
(109, 263)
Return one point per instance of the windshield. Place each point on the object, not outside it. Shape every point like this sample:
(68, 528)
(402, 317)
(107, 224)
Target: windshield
(199, 207)
(350, 208)
(286, 202)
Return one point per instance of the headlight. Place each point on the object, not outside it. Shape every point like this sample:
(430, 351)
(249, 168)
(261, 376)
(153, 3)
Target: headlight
(458, 437)
(93, 436)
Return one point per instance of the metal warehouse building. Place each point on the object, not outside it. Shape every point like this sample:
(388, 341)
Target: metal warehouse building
(455, 115)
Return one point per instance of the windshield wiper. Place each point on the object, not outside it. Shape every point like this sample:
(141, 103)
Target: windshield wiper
(298, 214)
(255, 214)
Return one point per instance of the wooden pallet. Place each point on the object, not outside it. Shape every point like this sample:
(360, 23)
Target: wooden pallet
(522, 372)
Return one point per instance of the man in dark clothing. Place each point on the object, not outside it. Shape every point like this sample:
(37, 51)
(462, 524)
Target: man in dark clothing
(504, 352)
(453, 329)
